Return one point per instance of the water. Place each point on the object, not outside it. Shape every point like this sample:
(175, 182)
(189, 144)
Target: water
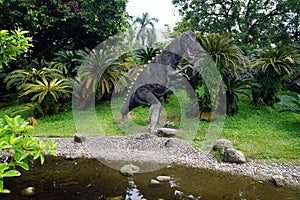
(89, 179)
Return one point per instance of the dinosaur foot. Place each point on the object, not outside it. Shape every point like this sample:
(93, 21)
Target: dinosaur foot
(166, 132)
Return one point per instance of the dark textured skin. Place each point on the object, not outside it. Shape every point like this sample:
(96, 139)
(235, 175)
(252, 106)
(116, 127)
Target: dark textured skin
(152, 82)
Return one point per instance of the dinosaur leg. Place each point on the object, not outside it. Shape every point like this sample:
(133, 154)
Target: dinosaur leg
(144, 96)
(154, 115)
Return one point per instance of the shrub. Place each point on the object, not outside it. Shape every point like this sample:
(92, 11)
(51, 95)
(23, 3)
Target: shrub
(18, 149)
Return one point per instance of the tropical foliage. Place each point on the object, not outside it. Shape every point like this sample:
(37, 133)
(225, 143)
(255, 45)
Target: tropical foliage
(19, 77)
(252, 23)
(18, 148)
(146, 54)
(12, 44)
(231, 63)
(99, 71)
(47, 93)
(56, 25)
(290, 103)
(273, 66)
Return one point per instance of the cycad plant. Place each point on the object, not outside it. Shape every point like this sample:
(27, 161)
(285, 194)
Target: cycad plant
(43, 85)
(146, 54)
(21, 76)
(231, 63)
(228, 57)
(99, 71)
(273, 66)
(47, 93)
(67, 61)
(235, 86)
(290, 104)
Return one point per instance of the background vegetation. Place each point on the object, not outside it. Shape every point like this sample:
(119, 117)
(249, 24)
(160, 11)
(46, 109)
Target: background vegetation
(255, 45)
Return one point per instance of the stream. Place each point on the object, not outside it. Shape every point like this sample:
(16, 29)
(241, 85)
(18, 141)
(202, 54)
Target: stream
(89, 179)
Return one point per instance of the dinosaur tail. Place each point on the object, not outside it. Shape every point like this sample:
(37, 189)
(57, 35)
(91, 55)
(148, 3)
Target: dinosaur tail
(125, 108)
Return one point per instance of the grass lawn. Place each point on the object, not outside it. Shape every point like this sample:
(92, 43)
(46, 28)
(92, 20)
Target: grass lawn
(262, 133)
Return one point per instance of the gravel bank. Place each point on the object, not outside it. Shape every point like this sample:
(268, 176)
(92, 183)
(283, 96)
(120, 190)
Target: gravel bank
(151, 152)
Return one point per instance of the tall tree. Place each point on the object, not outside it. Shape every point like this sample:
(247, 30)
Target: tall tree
(145, 33)
(62, 24)
(251, 22)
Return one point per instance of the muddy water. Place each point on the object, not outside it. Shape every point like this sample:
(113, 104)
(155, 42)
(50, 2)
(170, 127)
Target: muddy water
(89, 179)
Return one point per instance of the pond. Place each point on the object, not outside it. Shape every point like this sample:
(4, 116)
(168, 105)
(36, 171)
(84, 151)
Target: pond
(89, 179)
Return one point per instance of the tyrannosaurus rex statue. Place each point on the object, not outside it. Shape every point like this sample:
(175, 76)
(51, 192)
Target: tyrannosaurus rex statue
(153, 80)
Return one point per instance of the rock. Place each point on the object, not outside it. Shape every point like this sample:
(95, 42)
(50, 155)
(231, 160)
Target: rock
(129, 170)
(167, 132)
(163, 178)
(278, 180)
(208, 116)
(79, 138)
(154, 182)
(168, 143)
(233, 156)
(221, 144)
(30, 191)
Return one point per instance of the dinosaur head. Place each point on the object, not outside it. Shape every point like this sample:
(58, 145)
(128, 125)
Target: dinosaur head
(189, 43)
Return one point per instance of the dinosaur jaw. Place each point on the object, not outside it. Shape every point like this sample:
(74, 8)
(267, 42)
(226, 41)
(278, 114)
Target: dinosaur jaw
(189, 53)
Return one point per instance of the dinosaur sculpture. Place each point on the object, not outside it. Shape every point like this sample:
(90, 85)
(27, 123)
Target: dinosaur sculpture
(153, 80)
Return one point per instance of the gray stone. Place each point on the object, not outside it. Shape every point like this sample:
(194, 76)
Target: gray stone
(163, 178)
(233, 156)
(167, 132)
(129, 170)
(154, 182)
(278, 180)
(79, 138)
(30, 191)
(221, 144)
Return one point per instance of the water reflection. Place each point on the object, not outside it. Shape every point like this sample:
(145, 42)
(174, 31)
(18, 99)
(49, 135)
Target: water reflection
(133, 193)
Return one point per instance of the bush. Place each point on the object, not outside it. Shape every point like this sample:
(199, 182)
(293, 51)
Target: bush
(18, 148)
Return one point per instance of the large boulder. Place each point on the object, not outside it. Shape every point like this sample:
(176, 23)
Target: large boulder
(167, 132)
(224, 150)
(233, 156)
(222, 144)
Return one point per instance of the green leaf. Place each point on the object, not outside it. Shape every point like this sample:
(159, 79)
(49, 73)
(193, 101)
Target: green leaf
(12, 173)
(42, 159)
(5, 191)
(24, 165)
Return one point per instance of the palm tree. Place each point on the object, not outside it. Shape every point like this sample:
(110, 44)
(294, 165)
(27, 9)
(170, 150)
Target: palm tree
(144, 32)
(273, 66)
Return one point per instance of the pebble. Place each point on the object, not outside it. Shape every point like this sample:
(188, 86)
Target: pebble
(129, 170)
(163, 178)
(278, 180)
(30, 191)
(154, 182)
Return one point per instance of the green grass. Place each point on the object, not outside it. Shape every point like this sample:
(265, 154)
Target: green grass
(262, 133)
